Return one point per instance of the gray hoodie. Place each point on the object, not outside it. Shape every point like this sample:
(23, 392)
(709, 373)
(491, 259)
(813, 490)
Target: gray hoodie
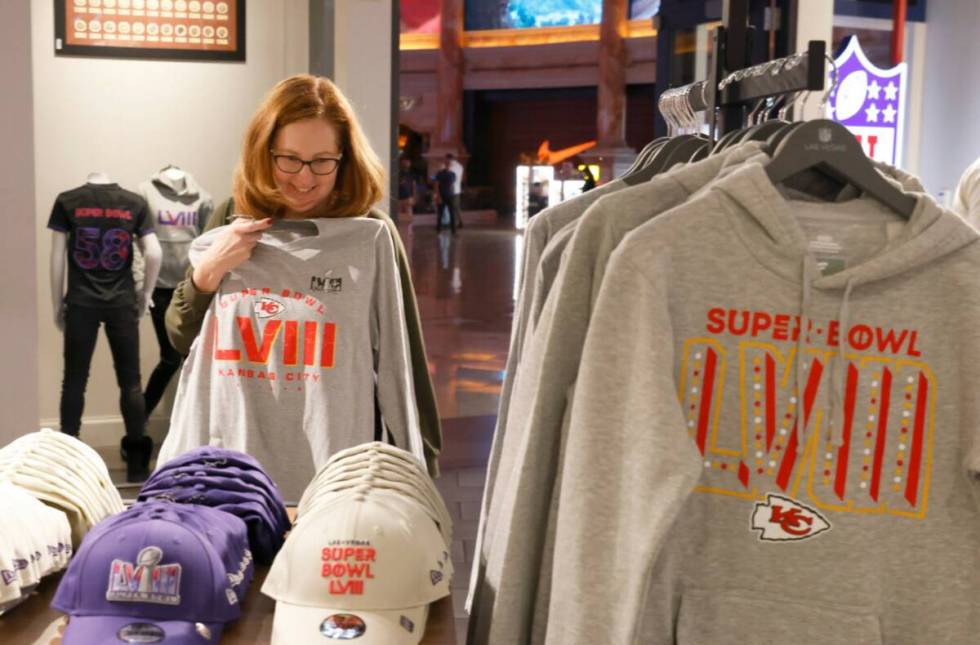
(179, 211)
(292, 348)
(809, 367)
(517, 528)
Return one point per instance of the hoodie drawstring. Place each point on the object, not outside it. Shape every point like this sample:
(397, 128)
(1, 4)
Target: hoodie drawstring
(837, 380)
(837, 375)
(801, 349)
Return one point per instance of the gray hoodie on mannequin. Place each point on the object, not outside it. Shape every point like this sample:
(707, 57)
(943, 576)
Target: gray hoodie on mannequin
(179, 211)
(808, 369)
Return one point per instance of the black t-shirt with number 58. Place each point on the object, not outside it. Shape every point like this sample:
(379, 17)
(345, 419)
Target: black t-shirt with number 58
(101, 221)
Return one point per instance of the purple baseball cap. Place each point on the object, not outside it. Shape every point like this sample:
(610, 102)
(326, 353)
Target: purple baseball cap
(266, 535)
(209, 455)
(251, 475)
(152, 575)
(220, 480)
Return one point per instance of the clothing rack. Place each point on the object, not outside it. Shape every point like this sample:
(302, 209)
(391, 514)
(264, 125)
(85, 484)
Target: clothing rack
(733, 87)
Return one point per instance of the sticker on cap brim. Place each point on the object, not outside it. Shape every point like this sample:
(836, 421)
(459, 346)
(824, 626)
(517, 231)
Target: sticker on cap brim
(141, 633)
(343, 627)
(203, 630)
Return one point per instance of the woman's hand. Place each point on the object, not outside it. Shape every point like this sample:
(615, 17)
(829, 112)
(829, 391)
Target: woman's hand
(229, 249)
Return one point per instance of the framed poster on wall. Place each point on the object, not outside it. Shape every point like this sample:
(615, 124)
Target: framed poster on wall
(160, 29)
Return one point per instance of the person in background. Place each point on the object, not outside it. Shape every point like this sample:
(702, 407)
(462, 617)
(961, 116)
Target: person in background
(454, 203)
(967, 200)
(406, 188)
(537, 199)
(444, 180)
(588, 177)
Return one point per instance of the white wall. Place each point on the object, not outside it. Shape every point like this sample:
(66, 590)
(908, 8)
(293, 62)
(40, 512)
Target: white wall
(362, 67)
(951, 100)
(130, 118)
(18, 306)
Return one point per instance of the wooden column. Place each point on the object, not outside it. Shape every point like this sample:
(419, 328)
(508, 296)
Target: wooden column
(448, 135)
(611, 151)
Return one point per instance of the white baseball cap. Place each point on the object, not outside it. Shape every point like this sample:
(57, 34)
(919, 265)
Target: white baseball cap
(65, 473)
(35, 541)
(365, 459)
(364, 567)
(330, 490)
(376, 455)
(380, 474)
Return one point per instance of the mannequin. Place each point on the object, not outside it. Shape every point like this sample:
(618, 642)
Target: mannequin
(176, 176)
(179, 207)
(93, 230)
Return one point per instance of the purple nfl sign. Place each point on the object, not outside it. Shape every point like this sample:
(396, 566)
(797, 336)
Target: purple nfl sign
(870, 102)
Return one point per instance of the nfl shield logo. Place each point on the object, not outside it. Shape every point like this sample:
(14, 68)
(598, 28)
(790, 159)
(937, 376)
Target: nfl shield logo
(870, 102)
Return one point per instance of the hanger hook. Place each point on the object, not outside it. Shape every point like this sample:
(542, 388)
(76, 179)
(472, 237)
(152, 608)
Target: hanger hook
(834, 78)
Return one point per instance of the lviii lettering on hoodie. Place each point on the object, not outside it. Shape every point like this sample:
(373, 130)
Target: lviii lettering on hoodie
(881, 463)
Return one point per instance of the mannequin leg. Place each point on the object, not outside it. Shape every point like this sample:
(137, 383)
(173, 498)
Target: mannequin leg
(81, 332)
(170, 358)
(122, 328)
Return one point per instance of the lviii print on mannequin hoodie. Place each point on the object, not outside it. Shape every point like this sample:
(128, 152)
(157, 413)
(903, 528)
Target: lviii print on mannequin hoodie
(774, 437)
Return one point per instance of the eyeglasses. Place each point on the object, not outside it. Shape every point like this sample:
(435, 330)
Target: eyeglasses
(294, 165)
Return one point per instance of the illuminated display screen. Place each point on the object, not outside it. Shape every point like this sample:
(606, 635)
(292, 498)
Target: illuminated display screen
(521, 14)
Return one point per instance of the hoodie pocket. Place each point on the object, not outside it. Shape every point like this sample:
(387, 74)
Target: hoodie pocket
(737, 618)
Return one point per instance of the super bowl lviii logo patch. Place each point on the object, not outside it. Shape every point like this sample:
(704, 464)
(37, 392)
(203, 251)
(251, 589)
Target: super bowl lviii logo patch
(781, 519)
(145, 581)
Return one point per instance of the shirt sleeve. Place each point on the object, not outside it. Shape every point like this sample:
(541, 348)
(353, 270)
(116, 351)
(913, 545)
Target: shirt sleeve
(627, 441)
(144, 222)
(58, 221)
(392, 363)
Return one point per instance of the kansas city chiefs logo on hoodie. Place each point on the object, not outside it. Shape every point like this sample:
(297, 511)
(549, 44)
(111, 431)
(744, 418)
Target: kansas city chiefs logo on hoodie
(781, 519)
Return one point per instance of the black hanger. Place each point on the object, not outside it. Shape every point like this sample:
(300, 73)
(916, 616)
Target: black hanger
(644, 154)
(678, 149)
(777, 137)
(829, 147)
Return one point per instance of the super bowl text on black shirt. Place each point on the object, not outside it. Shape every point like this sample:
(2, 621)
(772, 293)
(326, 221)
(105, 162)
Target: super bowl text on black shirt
(101, 221)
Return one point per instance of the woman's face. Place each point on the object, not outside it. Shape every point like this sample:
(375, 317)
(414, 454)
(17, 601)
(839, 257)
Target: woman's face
(306, 140)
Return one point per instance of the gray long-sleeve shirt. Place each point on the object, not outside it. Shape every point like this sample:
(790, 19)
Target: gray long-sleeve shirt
(291, 348)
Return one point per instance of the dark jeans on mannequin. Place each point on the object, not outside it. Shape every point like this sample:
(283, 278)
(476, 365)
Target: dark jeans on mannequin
(170, 358)
(81, 332)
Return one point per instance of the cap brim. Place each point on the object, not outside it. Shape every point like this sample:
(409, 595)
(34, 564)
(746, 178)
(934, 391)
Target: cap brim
(295, 624)
(85, 630)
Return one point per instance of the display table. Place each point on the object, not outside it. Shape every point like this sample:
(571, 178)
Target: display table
(35, 623)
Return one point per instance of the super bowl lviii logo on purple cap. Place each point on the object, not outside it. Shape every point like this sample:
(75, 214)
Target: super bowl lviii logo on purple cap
(870, 102)
(146, 580)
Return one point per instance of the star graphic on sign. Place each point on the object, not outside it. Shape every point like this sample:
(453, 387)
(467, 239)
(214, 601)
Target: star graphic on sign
(889, 113)
(891, 92)
(872, 113)
(874, 89)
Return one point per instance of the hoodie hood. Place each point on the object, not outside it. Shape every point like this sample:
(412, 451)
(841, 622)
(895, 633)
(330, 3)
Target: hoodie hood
(186, 191)
(766, 221)
(769, 223)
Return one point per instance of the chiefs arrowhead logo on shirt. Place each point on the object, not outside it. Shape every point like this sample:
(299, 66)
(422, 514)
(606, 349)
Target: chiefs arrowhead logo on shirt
(267, 308)
(781, 519)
